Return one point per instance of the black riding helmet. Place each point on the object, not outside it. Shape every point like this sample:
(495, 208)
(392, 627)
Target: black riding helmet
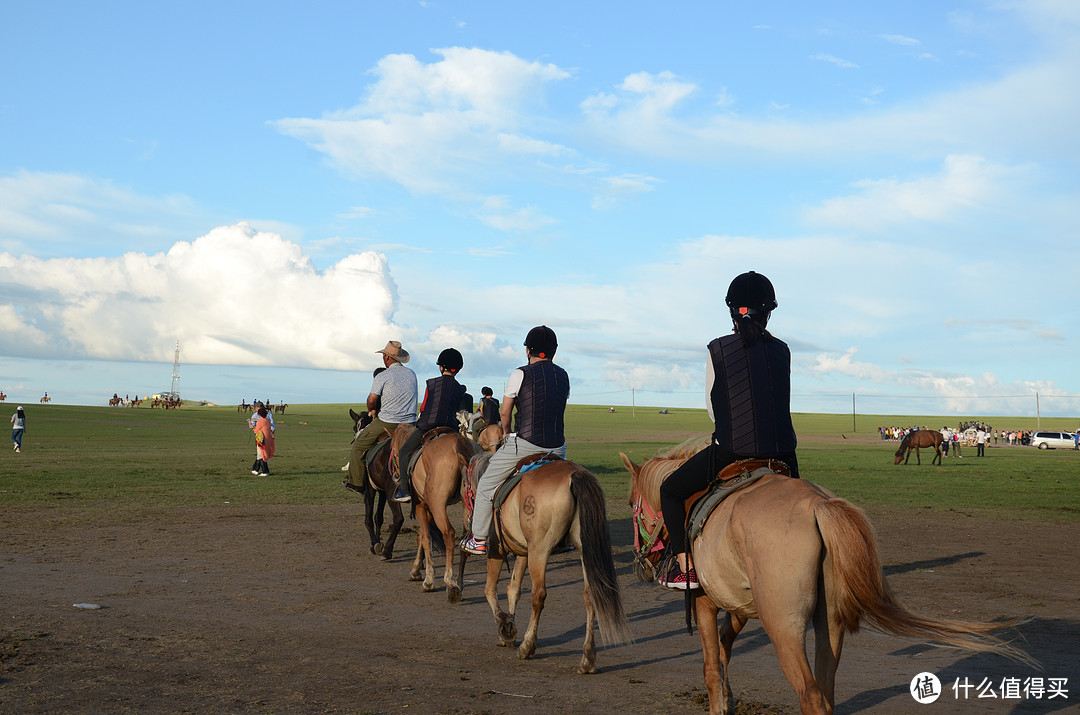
(751, 295)
(450, 359)
(541, 342)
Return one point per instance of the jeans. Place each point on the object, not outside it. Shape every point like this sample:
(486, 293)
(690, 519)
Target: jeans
(499, 469)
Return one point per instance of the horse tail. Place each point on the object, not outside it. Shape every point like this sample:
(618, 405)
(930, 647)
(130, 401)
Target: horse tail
(861, 592)
(596, 560)
(438, 546)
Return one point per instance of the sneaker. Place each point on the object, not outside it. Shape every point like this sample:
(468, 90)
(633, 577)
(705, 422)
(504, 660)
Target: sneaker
(264, 474)
(402, 497)
(680, 581)
(474, 546)
(255, 472)
(346, 467)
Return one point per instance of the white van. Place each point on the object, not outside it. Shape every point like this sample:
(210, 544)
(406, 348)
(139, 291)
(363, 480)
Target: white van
(1053, 440)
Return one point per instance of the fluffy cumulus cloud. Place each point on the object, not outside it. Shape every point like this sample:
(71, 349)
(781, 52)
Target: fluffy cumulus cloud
(234, 296)
(447, 128)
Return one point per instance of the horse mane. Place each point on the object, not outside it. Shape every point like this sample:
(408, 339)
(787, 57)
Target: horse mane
(903, 445)
(687, 449)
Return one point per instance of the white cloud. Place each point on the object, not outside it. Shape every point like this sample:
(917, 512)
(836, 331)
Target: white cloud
(617, 188)
(965, 183)
(233, 296)
(822, 57)
(900, 40)
(42, 209)
(439, 127)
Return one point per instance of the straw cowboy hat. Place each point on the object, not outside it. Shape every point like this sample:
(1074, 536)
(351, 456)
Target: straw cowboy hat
(394, 351)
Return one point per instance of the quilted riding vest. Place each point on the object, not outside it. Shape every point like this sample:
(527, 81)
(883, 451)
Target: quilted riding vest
(440, 409)
(751, 396)
(540, 404)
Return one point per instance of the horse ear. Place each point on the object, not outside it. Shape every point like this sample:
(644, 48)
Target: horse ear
(630, 466)
(355, 417)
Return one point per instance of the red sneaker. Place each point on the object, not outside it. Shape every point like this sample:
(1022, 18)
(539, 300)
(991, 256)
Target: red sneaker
(680, 581)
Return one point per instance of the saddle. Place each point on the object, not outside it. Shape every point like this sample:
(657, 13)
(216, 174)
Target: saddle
(525, 465)
(731, 479)
(414, 446)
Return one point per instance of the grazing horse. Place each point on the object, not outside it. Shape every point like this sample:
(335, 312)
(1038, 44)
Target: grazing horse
(436, 484)
(920, 438)
(789, 553)
(552, 501)
(380, 487)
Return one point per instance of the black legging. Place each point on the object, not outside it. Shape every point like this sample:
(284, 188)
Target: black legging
(693, 476)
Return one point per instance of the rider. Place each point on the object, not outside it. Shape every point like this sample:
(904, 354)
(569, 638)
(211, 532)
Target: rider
(748, 384)
(539, 390)
(394, 391)
(442, 397)
(489, 411)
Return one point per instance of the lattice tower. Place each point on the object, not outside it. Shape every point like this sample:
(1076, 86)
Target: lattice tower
(173, 392)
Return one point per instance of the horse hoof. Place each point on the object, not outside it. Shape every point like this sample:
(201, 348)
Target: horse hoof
(586, 668)
(429, 587)
(386, 555)
(376, 548)
(415, 576)
(524, 653)
(453, 594)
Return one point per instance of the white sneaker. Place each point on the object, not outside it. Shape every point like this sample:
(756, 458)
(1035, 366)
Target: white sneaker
(346, 467)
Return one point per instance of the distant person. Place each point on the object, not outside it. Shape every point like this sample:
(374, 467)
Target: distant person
(980, 442)
(18, 428)
(489, 412)
(263, 425)
(748, 392)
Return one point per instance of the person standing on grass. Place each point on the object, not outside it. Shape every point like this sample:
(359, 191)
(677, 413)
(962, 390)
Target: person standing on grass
(18, 428)
(263, 426)
(748, 393)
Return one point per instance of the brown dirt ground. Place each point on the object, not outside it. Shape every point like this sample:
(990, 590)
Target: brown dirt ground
(282, 609)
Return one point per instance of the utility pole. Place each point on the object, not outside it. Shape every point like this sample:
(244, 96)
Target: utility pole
(173, 393)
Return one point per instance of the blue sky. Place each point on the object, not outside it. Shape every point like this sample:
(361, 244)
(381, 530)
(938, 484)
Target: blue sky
(284, 187)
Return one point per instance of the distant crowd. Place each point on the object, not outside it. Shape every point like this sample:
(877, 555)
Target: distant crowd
(965, 433)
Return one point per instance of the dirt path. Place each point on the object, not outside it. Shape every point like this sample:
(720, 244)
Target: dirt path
(281, 609)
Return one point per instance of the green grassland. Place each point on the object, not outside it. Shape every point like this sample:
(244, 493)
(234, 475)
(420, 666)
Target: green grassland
(112, 464)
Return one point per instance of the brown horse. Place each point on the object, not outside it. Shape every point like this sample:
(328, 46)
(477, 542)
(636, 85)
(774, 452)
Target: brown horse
(379, 489)
(436, 484)
(490, 438)
(789, 553)
(920, 438)
(552, 501)
(45, 399)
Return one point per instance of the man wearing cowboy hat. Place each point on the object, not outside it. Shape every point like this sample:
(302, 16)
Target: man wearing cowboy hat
(394, 391)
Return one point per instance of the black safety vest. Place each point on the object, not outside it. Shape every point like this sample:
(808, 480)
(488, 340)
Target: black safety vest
(489, 410)
(751, 396)
(540, 404)
(443, 399)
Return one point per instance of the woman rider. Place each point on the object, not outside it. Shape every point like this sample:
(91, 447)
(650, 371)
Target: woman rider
(748, 384)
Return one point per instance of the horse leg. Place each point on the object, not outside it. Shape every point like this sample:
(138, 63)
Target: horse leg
(395, 527)
(380, 517)
(828, 642)
(587, 665)
(537, 563)
(423, 519)
(705, 613)
(789, 639)
(937, 455)
(729, 630)
(450, 579)
(918, 461)
(371, 522)
(504, 622)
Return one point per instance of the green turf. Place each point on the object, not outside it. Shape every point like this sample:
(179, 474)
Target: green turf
(111, 464)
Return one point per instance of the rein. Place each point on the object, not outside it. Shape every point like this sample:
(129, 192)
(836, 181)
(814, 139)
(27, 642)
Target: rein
(645, 541)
